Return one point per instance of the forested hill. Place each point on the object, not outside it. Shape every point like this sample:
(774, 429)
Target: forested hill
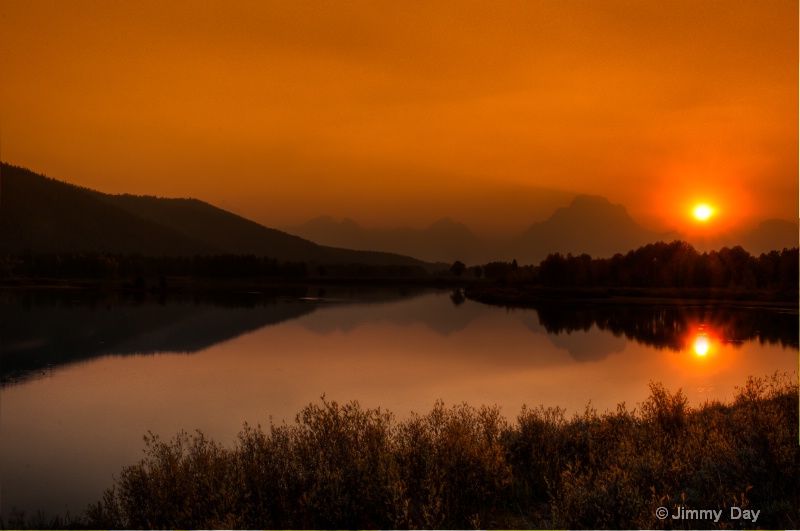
(46, 216)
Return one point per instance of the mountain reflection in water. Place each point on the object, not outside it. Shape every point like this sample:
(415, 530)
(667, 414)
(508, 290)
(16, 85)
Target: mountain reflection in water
(43, 330)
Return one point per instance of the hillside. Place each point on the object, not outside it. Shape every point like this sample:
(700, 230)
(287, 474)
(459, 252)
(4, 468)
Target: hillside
(43, 215)
(213, 226)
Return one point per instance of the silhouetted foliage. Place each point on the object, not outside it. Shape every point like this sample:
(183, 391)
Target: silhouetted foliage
(496, 270)
(151, 270)
(457, 296)
(669, 327)
(458, 268)
(343, 466)
(659, 265)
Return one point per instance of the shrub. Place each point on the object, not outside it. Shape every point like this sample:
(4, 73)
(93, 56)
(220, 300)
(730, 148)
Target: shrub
(451, 467)
(344, 466)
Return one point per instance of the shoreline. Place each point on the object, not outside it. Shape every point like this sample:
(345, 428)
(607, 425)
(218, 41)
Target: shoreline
(189, 284)
(473, 289)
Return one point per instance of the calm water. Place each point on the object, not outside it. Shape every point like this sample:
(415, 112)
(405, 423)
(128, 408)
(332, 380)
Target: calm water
(84, 378)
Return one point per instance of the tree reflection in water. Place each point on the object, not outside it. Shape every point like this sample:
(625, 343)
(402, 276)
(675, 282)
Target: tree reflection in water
(670, 326)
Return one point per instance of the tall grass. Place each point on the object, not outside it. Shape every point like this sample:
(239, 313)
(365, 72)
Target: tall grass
(463, 467)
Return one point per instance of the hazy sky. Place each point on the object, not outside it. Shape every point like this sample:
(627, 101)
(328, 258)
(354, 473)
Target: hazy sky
(403, 112)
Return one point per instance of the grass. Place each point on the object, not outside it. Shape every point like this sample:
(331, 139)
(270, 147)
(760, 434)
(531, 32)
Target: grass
(463, 467)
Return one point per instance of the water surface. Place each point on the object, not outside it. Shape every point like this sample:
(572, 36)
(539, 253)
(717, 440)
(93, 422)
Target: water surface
(85, 377)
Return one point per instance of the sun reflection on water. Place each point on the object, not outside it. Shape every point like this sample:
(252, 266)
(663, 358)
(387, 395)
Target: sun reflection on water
(702, 341)
(701, 345)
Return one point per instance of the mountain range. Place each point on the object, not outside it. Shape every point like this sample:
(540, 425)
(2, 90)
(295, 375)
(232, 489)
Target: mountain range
(589, 224)
(443, 241)
(44, 215)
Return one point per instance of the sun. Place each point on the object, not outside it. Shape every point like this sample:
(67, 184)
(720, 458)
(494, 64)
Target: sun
(702, 212)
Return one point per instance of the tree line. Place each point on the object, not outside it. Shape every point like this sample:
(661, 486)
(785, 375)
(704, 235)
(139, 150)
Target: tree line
(138, 267)
(656, 265)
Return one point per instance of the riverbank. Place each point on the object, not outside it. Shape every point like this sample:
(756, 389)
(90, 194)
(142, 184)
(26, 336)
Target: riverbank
(473, 289)
(193, 284)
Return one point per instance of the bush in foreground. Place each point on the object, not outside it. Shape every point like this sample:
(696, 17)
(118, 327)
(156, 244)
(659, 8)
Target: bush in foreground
(459, 467)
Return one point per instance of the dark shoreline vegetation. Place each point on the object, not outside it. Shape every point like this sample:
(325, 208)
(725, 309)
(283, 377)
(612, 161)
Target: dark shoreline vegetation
(341, 466)
(659, 271)
(673, 269)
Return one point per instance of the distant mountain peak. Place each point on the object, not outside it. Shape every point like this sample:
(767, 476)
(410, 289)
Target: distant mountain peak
(590, 224)
(586, 199)
(322, 220)
(594, 204)
(328, 222)
(350, 223)
(447, 223)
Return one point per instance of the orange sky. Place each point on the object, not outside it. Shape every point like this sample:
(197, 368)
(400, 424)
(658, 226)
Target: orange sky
(403, 112)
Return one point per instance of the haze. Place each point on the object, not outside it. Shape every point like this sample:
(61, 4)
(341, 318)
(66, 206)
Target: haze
(401, 113)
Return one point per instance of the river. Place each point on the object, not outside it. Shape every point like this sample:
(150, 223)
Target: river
(85, 376)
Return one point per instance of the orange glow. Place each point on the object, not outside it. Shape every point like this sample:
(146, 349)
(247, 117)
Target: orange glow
(397, 113)
(705, 353)
(708, 358)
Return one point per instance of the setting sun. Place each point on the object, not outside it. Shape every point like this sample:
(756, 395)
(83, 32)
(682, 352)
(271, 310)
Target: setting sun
(702, 212)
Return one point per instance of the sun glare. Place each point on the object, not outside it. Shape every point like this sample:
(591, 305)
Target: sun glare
(701, 345)
(702, 212)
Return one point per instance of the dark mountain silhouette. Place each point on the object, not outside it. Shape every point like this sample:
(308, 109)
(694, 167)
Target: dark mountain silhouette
(443, 241)
(43, 215)
(590, 224)
(215, 227)
(48, 216)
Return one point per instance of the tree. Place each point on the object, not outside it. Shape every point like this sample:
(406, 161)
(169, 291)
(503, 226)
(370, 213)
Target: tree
(457, 269)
